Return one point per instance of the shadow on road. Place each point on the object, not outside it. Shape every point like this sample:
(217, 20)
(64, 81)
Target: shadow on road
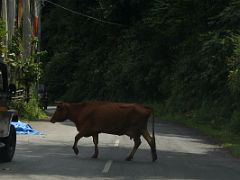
(177, 159)
(60, 160)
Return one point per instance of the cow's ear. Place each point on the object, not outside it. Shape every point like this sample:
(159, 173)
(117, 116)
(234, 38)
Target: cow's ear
(58, 102)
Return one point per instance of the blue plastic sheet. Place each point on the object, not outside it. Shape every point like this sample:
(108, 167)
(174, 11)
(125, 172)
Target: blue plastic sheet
(24, 128)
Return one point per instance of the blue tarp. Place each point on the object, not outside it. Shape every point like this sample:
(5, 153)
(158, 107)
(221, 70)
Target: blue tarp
(24, 128)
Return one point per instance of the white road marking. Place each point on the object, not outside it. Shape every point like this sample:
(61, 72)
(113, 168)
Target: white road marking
(107, 166)
(109, 162)
(116, 144)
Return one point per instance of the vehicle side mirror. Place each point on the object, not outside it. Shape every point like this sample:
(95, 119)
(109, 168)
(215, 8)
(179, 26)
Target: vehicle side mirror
(12, 89)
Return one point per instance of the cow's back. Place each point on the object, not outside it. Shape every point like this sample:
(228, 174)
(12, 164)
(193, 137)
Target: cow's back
(117, 118)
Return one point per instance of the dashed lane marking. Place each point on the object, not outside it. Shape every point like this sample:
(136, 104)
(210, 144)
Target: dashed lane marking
(107, 166)
(109, 162)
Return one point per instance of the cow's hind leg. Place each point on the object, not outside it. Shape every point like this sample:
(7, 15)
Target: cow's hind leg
(137, 142)
(95, 141)
(151, 142)
(77, 137)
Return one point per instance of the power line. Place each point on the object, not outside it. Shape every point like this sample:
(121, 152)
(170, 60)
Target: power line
(81, 14)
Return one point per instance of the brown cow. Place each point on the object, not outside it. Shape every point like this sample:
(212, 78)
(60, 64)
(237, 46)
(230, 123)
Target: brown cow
(92, 118)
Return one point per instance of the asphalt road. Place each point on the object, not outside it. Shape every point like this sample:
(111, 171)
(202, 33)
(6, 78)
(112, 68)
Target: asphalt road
(182, 154)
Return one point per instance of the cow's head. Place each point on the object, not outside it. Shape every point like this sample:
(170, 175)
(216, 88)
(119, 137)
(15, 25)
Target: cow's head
(61, 113)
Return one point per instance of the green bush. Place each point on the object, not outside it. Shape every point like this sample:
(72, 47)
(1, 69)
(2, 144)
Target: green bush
(28, 111)
(235, 122)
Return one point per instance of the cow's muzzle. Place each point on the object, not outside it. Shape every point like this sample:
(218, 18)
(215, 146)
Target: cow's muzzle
(52, 121)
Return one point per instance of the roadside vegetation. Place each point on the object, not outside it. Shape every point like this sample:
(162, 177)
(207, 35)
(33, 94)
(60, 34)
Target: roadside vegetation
(223, 135)
(181, 54)
(29, 110)
(24, 73)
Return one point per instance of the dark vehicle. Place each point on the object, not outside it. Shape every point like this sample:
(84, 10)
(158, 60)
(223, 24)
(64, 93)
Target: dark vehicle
(7, 131)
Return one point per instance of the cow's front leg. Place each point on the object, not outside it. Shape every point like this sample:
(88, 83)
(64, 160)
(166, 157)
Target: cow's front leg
(95, 141)
(137, 142)
(77, 137)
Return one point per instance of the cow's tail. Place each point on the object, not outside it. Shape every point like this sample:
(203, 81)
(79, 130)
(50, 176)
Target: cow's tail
(154, 149)
(153, 128)
(153, 142)
(153, 122)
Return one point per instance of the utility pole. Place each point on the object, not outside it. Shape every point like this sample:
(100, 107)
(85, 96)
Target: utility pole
(5, 17)
(11, 11)
(26, 29)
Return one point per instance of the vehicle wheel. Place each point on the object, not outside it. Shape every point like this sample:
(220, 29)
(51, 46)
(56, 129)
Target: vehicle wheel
(7, 152)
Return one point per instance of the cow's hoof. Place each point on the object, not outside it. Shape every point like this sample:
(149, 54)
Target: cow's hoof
(154, 158)
(94, 156)
(128, 159)
(75, 151)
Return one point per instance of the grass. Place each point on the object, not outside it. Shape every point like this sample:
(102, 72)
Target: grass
(29, 111)
(223, 136)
